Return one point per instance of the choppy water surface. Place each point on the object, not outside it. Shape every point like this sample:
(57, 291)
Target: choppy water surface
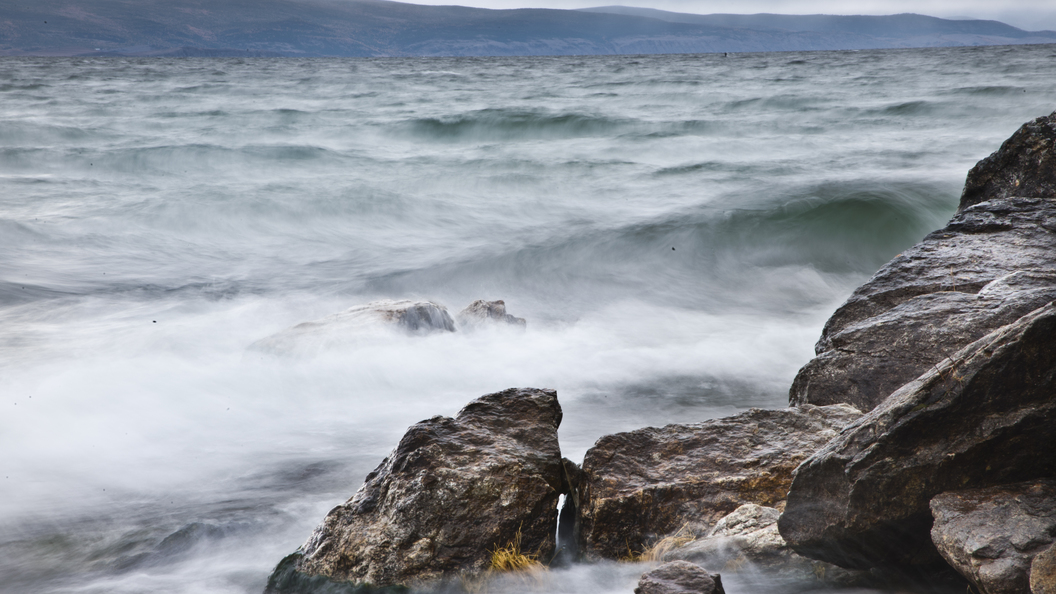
(675, 229)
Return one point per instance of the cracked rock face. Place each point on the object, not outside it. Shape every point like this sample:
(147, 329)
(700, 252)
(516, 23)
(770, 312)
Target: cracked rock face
(985, 416)
(453, 491)
(990, 536)
(993, 263)
(640, 486)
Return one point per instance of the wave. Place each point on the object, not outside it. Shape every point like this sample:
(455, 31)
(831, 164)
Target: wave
(507, 124)
(708, 257)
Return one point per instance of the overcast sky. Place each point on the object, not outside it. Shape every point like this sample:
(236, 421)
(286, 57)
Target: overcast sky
(1026, 14)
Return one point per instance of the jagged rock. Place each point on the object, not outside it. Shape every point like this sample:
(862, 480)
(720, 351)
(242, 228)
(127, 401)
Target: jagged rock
(1025, 165)
(990, 536)
(453, 491)
(642, 485)
(679, 577)
(1043, 572)
(993, 263)
(985, 416)
(415, 317)
(481, 313)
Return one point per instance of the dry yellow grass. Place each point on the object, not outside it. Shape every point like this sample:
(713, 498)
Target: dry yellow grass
(511, 558)
(661, 548)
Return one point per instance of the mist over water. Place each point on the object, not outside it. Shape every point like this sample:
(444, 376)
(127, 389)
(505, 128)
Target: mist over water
(675, 229)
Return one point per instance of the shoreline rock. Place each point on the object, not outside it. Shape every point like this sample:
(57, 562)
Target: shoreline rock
(983, 417)
(991, 536)
(453, 491)
(992, 264)
(482, 313)
(679, 577)
(642, 485)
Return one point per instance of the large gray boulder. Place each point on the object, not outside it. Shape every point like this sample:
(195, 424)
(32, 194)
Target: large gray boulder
(993, 263)
(453, 491)
(991, 535)
(640, 486)
(356, 323)
(984, 416)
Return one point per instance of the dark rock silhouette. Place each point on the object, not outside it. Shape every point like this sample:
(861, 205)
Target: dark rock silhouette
(679, 577)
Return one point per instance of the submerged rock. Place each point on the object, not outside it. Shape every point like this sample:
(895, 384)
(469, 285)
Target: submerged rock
(990, 536)
(679, 577)
(453, 491)
(983, 417)
(640, 486)
(481, 313)
(993, 263)
(414, 317)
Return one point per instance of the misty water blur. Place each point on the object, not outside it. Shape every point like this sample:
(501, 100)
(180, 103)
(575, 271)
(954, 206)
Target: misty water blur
(675, 229)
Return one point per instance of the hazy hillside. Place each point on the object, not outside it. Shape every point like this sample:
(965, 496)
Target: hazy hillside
(380, 28)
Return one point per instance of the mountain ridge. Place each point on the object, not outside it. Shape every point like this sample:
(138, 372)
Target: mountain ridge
(379, 28)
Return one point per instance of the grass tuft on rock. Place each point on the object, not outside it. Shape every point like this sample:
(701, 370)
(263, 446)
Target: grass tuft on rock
(511, 558)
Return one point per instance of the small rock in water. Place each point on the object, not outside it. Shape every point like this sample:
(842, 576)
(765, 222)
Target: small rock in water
(679, 577)
(413, 317)
(480, 313)
(990, 536)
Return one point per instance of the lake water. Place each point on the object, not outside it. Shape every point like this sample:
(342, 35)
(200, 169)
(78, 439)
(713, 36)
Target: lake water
(675, 229)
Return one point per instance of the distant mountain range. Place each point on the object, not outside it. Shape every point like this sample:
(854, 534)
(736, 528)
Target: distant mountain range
(381, 28)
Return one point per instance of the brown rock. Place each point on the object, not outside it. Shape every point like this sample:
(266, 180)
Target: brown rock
(679, 577)
(985, 416)
(1043, 572)
(642, 485)
(453, 491)
(990, 536)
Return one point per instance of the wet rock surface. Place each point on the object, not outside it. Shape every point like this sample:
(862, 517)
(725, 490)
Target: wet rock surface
(482, 313)
(985, 416)
(990, 536)
(453, 491)
(1025, 165)
(414, 317)
(679, 577)
(992, 264)
(639, 486)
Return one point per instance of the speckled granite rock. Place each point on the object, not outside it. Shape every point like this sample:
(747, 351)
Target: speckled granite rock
(990, 536)
(447, 496)
(1043, 572)
(985, 416)
(642, 485)
(993, 263)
